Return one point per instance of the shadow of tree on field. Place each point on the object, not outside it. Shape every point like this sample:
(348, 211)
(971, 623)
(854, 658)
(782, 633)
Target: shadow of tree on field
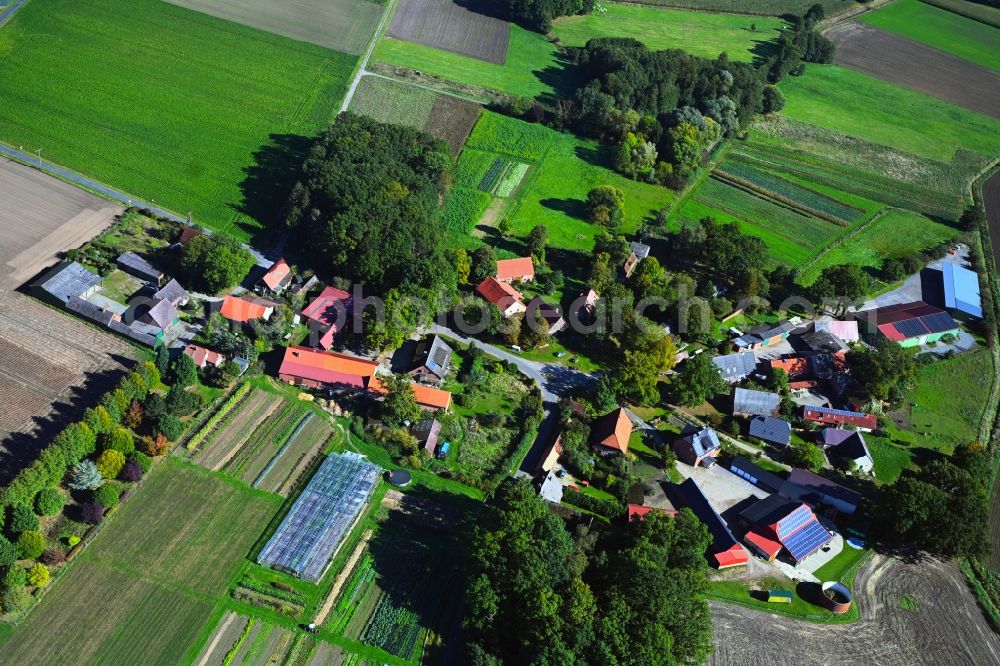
(268, 182)
(576, 208)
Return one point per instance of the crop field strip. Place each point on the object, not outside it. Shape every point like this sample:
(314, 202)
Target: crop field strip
(450, 26)
(341, 25)
(972, 10)
(842, 100)
(236, 426)
(896, 59)
(303, 447)
(264, 442)
(213, 92)
(659, 28)
(162, 561)
(759, 7)
(922, 22)
(442, 116)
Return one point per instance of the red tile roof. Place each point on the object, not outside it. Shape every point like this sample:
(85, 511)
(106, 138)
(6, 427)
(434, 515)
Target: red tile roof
(327, 368)
(613, 431)
(277, 275)
(498, 293)
(733, 557)
(764, 543)
(639, 511)
(203, 356)
(426, 396)
(840, 417)
(513, 269)
(188, 234)
(235, 308)
(328, 306)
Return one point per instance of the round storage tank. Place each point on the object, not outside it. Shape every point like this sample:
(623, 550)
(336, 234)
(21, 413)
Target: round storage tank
(836, 597)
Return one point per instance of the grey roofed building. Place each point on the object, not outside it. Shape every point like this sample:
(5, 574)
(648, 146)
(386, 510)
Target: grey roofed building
(132, 263)
(755, 403)
(161, 315)
(431, 359)
(427, 432)
(848, 446)
(697, 447)
(735, 367)
(770, 429)
(814, 489)
(552, 488)
(173, 292)
(91, 311)
(138, 331)
(64, 281)
(822, 340)
(756, 475)
(640, 250)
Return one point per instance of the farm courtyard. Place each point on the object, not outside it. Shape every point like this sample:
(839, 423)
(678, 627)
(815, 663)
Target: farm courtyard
(168, 104)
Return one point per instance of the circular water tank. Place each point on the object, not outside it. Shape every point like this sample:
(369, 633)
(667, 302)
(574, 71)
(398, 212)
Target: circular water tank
(836, 597)
(400, 478)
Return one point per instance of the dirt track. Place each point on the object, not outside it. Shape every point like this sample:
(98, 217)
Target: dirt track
(946, 627)
(895, 59)
(47, 358)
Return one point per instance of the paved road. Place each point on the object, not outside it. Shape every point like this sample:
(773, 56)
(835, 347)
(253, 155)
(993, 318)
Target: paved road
(368, 54)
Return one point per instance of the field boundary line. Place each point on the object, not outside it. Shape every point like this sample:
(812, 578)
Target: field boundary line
(390, 7)
(414, 84)
(848, 236)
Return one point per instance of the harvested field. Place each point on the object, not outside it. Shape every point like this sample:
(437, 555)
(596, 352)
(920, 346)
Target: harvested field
(944, 625)
(452, 120)
(46, 356)
(236, 428)
(454, 27)
(890, 57)
(342, 25)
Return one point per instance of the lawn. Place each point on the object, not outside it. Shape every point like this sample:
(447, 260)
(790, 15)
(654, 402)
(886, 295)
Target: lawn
(534, 65)
(890, 459)
(165, 103)
(941, 29)
(947, 404)
(162, 561)
(894, 234)
(393, 102)
(767, 7)
(846, 101)
(701, 34)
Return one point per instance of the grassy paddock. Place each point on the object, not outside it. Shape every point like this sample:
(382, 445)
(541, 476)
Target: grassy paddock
(393, 102)
(162, 561)
(168, 104)
(702, 34)
(940, 28)
(846, 101)
(762, 7)
(973, 10)
(534, 66)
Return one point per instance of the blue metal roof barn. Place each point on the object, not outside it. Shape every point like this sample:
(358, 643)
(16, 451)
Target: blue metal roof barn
(323, 514)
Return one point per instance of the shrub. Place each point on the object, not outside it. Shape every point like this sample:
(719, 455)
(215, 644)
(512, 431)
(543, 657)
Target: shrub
(170, 427)
(91, 513)
(15, 577)
(15, 599)
(155, 405)
(107, 496)
(134, 386)
(110, 463)
(22, 519)
(48, 502)
(72, 540)
(86, 476)
(133, 417)
(156, 445)
(185, 371)
(149, 373)
(145, 462)
(38, 575)
(181, 402)
(30, 545)
(120, 439)
(131, 472)
(53, 556)
(8, 553)
(99, 419)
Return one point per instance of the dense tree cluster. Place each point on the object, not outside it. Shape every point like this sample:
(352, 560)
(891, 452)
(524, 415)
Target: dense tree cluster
(944, 508)
(802, 43)
(367, 205)
(538, 14)
(215, 263)
(886, 371)
(539, 595)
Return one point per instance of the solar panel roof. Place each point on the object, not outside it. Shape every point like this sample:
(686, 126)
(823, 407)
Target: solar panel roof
(804, 542)
(938, 323)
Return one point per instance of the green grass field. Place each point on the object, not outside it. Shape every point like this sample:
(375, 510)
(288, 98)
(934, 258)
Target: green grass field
(846, 101)
(973, 10)
(702, 34)
(890, 459)
(168, 104)
(534, 66)
(946, 406)
(894, 234)
(766, 7)
(142, 591)
(941, 29)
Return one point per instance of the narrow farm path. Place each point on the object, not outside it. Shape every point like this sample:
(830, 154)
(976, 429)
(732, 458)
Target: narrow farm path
(338, 583)
(363, 65)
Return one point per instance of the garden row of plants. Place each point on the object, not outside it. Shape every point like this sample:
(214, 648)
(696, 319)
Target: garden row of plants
(277, 430)
(219, 418)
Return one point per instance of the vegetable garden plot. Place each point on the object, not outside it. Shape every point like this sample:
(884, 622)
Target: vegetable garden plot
(229, 433)
(321, 517)
(264, 442)
(509, 136)
(450, 26)
(503, 177)
(295, 456)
